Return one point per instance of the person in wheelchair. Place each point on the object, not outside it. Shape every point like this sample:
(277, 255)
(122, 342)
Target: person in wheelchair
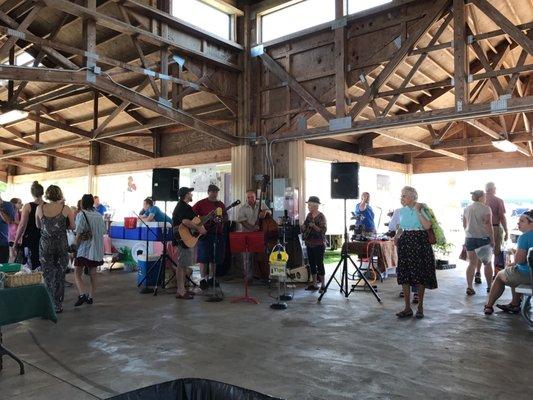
(515, 274)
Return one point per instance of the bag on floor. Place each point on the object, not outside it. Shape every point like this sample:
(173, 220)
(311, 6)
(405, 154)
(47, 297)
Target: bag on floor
(299, 275)
(484, 253)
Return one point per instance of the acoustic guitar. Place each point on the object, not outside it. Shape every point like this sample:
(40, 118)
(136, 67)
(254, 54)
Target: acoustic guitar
(189, 236)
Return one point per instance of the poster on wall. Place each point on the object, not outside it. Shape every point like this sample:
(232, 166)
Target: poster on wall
(201, 178)
(383, 182)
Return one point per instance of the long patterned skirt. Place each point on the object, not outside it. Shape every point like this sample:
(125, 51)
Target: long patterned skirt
(416, 261)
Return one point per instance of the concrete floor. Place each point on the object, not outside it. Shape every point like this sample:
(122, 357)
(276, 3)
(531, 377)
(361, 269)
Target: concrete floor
(339, 349)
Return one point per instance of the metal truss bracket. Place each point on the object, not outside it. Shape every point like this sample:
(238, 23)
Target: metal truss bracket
(337, 124)
(500, 104)
(339, 23)
(257, 50)
(179, 60)
(164, 102)
(398, 42)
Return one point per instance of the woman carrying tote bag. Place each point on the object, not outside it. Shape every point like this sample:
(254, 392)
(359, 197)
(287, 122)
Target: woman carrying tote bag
(90, 229)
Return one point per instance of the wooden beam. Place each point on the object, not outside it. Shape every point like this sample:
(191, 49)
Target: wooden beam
(142, 34)
(460, 51)
(23, 165)
(509, 28)
(128, 147)
(340, 63)
(475, 111)
(419, 144)
(10, 42)
(284, 76)
(178, 116)
(415, 67)
(327, 154)
(452, 144)
(432, 15)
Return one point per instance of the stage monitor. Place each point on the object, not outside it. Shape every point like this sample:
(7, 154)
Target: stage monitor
(165, 184)
(344, 180)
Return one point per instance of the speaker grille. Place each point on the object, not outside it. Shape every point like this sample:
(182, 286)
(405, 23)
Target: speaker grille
(345, 180)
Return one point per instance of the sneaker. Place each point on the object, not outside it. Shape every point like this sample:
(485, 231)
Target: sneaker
(203, 284)
(477, 278)
(81, 299)
(90, 300)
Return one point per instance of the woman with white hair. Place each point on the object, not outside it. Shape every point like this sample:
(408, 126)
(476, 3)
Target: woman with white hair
(314, 233)
(416, 261)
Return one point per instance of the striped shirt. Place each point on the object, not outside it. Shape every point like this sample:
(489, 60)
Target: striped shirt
(91, 249)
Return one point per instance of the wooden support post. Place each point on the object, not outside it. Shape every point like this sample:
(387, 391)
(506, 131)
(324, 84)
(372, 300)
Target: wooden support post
(460, 56)
(49, 163)
(340, 63)
(157, 136)
(10, 83)
(89, 31)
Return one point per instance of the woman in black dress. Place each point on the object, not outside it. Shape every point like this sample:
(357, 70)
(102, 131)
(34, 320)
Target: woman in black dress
(27, 229)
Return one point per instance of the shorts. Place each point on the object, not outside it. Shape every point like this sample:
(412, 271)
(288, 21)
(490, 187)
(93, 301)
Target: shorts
(86, 263)
(206, 249)
(473, 243)
(186, 256)
(515, 278)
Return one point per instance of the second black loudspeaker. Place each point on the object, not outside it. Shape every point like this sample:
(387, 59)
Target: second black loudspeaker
(345, 180)
(165, 184)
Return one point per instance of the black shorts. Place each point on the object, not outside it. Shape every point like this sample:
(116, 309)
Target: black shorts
(475, 243)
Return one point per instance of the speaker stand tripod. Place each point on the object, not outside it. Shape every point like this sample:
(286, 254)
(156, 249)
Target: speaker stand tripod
(343, 284)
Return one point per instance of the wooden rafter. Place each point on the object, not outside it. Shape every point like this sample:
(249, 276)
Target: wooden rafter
(284, 76)
(433, 15)
(509, 28)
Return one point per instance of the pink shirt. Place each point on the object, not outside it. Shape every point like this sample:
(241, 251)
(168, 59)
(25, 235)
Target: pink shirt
(497, 207)
(13, 228)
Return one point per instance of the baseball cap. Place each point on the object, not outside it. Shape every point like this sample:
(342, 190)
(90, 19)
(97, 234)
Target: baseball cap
(477, 194)
(184, 190)
(213, 188)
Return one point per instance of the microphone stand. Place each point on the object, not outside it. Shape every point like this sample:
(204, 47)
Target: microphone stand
(214, 296)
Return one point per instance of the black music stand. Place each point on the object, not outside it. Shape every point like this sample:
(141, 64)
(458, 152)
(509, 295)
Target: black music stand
(343, 284)
(216, 295)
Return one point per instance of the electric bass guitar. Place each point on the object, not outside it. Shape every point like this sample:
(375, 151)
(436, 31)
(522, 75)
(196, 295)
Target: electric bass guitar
(189, 236)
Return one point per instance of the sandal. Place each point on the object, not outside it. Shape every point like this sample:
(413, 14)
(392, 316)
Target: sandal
(415, 298)
(509, 308)
(470, 292)
(419, 314)
(488, 310)
(404, 314)
(185, 296)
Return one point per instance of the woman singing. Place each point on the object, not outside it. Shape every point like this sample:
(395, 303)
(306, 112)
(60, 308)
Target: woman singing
(314, 232)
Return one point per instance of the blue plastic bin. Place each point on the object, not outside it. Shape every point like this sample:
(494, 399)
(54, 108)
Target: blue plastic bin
(143, 268)
(116, 232)
(132, 234)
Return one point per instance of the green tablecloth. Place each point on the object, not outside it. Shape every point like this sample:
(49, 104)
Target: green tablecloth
(22, 303)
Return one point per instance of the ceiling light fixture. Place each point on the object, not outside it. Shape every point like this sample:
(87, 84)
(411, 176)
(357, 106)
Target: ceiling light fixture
(12, 116)
(505, 145)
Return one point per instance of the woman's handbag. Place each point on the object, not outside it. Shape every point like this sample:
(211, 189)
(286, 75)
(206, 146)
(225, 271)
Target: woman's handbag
(87, 235)
(432, 239)
(462, 256)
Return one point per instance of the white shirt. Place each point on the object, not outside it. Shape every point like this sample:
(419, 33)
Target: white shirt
(91, 249)
(248, 214)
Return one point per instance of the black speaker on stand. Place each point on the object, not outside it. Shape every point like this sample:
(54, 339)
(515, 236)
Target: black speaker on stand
(345, 185)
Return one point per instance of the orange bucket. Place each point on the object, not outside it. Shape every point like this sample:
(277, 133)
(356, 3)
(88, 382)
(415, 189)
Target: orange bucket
(130, 222)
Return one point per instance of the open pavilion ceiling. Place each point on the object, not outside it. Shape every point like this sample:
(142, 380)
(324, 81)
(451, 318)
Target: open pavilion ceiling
(401, 93)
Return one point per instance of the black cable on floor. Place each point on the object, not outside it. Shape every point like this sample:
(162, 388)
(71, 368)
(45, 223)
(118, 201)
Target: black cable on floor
(80, 377)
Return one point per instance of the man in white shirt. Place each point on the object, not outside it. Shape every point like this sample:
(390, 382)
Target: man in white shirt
(248, 217)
